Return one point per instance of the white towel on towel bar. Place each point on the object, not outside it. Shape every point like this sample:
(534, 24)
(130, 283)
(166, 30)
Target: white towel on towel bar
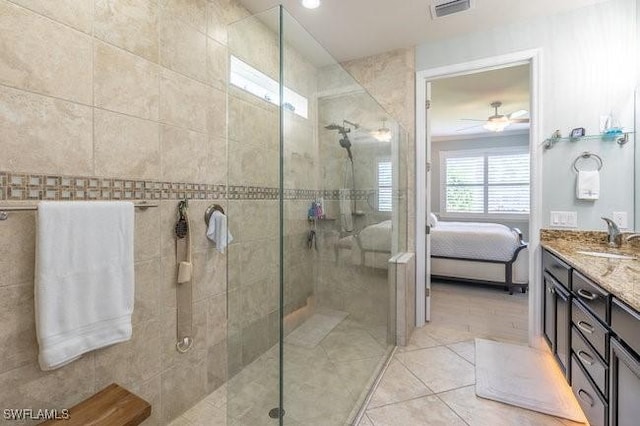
(84, 283)
(218, 232)
(588, 185)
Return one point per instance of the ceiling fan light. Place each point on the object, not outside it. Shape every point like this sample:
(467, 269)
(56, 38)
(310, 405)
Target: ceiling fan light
(495, 125)
(383, 134)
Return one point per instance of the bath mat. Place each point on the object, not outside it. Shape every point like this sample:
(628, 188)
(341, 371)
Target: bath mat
(524, 377)
(316, 328)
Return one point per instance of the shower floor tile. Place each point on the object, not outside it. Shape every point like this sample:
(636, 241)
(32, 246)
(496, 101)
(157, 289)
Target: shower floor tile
(323, 384)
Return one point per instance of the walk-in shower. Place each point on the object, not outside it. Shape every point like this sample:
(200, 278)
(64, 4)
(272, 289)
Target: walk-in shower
(309, 325)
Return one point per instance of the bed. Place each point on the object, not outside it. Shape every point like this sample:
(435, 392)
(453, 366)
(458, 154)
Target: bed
(480, 253)
(488, 253)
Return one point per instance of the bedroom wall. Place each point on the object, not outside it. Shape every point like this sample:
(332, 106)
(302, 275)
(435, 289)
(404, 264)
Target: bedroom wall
(588, 70)
(449, 144)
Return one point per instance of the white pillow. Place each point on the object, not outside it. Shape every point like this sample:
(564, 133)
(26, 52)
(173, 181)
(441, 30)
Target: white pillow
(433, 220)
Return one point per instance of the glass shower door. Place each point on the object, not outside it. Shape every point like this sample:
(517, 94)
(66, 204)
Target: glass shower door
(253, 182)
(317, 210)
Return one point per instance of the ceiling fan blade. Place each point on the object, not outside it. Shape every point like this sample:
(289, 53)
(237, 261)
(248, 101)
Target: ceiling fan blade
(518, 113)
(468, 128)
(472, 119)
(519, 120)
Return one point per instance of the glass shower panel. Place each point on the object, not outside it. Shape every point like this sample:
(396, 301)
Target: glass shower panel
(253, 309)
(341, 218)
(317, 207)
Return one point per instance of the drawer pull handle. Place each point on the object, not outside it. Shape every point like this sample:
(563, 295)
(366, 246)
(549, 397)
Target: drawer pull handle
(585, 357)
(584, 395)
(586, 327)
(587, 294)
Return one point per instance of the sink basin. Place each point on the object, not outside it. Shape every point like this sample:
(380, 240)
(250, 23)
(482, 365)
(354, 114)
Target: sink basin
(607, 255)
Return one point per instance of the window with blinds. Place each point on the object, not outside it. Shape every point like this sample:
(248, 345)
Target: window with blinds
(489, 182)
(385, 189)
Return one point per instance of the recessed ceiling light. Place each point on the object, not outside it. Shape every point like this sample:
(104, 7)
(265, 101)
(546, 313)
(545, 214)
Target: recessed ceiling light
(311, 4)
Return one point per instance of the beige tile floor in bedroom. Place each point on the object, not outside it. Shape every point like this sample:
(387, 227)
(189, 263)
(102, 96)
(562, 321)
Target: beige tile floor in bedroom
(432, 380)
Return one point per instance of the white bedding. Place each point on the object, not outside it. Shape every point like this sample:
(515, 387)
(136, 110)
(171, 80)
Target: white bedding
(376, 237)
(472, 240)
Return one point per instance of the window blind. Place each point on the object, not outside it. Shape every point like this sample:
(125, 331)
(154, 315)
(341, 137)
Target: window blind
(385, 189)
(490, 182)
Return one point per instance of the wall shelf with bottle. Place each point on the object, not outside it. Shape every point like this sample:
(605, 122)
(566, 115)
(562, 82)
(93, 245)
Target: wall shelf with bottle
(620, 138)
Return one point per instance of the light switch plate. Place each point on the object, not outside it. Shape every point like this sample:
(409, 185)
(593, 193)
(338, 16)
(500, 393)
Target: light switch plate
(560, 219)
(620, 218)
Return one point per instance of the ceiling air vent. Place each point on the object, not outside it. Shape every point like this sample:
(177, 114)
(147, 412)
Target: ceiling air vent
(448, 7)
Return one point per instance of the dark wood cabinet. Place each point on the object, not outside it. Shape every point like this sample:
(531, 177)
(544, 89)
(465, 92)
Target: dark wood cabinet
(625, 365)
(596, 340)
(625, 385)
(557, 310)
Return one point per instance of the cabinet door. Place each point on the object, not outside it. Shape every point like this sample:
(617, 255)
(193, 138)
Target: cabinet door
(549, 311)
(624, 385)
(563, 325)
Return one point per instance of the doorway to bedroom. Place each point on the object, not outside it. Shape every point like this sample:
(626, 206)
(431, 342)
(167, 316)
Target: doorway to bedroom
(479, 204)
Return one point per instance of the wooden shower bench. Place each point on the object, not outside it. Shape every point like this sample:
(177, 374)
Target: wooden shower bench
(112, 406)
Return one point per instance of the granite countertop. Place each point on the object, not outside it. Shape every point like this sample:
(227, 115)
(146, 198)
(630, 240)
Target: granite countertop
(621, 277)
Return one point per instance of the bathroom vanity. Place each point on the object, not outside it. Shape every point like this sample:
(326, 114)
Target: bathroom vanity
(591, 321)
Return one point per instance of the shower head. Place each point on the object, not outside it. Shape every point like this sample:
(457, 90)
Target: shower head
(346, 144)
(343, 130)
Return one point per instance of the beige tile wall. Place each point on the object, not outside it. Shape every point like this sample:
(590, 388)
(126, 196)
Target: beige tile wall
(137, 89)
(390, 78)
(132, 89)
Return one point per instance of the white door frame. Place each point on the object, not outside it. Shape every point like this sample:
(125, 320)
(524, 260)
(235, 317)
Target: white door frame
(533, 57)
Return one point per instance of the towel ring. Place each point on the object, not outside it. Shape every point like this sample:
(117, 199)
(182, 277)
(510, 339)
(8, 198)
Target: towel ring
(586, 155)
(212, 208)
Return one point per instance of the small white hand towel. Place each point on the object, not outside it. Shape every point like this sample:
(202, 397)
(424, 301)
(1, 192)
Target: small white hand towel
(218, 232)
(84, 278)
(588, 185)
(346, 220)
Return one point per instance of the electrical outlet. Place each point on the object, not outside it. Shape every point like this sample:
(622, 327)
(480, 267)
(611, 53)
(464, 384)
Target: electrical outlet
(620, 218)
(564, 219)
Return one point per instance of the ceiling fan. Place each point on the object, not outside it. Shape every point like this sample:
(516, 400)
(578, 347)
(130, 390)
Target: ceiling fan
(498, 122)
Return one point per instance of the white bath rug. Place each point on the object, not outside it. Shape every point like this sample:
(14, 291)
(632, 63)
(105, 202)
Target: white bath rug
(316, 328)
(524, 377)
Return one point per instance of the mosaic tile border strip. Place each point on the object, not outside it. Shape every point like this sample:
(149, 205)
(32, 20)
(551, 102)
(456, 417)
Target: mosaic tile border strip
(36, 187)
(32, 187)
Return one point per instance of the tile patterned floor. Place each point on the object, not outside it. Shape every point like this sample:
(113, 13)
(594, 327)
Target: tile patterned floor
(324, 384)
(432, 380)
(429, 382)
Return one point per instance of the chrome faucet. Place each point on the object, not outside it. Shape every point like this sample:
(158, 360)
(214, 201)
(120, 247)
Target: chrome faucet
(615, 236)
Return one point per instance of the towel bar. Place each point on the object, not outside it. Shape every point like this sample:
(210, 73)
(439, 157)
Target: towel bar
(4, 215)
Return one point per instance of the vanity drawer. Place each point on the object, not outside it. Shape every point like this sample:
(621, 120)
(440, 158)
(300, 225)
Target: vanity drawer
(590, 361)
(593, 331)
(593, 405)
(625, 322)
(556, 267)
(595, 298)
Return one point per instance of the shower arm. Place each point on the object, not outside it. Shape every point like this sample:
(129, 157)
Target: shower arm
(350, 123)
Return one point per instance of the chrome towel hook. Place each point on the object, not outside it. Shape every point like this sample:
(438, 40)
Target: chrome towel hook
(212, 208)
